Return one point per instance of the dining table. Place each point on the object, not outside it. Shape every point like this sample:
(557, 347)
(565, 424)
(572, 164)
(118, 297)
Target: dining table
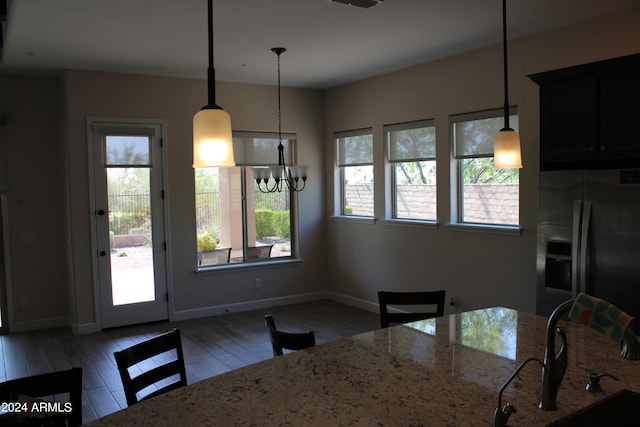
(436, 372)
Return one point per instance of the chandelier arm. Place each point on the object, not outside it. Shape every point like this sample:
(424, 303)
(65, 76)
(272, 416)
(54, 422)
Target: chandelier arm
(268, 190)
(295, 188)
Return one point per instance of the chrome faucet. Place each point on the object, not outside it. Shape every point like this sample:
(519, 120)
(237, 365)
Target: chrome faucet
(502, 413)
(555, 365)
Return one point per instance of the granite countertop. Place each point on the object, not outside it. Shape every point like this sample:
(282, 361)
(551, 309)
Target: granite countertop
(438, 372)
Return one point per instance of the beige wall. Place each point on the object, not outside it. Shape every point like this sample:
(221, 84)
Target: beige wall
(35, 199)
(479, 268)
(51, 251)
(48, 184)
(252, 107)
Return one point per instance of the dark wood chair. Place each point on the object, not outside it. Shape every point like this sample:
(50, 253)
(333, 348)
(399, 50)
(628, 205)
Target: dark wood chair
(281, 340)
(57, 395)
(430, 298)
(165, 377)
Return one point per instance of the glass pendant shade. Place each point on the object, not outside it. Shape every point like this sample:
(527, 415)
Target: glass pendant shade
(212, 140)
(506, 150)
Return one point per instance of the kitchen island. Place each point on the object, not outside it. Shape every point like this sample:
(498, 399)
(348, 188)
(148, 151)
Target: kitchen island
(437, 372)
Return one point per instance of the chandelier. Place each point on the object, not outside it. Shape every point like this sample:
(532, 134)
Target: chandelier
(276, 178)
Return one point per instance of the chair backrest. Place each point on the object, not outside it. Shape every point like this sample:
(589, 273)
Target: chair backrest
(435, 298)
(288, 340)
(259, 251)
(173, 370)
(214, 257)
(57, 396)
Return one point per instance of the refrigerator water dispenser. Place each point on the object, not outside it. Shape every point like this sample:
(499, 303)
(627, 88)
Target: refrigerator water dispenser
(558, 265)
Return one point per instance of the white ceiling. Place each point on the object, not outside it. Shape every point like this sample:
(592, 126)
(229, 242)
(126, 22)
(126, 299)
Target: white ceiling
(327, 43)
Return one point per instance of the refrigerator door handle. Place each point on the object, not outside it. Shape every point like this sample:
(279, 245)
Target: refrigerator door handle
(584, 244)
(575, 247)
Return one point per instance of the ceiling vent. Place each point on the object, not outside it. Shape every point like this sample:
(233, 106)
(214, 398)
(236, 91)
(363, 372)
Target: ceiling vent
(359, 3)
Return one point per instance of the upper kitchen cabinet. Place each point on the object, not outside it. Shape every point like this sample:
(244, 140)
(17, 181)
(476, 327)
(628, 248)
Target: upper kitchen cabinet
(589, 115)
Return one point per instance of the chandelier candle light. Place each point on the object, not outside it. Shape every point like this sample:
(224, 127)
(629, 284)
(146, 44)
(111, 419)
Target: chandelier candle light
(212, 139)
(506, 144)
(294, 177)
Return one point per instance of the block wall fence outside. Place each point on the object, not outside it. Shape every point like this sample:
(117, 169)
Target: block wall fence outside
(484, 203)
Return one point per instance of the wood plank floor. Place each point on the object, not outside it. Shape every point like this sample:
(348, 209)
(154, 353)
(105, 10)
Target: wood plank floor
(212, 346)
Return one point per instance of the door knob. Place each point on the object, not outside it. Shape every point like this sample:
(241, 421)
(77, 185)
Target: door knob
(103, 253)
(101, 212)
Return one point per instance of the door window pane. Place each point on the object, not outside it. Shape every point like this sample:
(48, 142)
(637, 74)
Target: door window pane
(129, 199)
(127, 150)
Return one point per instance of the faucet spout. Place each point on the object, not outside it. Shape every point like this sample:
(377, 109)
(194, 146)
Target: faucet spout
(630, 345)
(555, 365)
(502, 413)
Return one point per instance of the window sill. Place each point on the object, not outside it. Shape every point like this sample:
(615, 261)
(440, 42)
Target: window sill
(354, 218)
(411, 223)
(514, 230)
(225, 268)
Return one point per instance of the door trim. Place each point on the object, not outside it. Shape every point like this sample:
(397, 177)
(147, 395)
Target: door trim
(96, 121)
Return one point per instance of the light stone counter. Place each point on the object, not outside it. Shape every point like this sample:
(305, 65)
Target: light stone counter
(442, 372)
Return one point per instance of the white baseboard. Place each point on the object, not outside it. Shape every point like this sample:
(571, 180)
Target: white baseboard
(247, 306)
(84, 328)
(355, 302)
(89, 328)
(34, 325)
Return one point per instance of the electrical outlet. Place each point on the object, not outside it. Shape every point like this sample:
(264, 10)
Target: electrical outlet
(258, 283)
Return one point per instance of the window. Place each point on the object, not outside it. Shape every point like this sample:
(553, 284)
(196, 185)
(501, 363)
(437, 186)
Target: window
(355, 167)
(484, 195)
(235, 222)
(411, 153)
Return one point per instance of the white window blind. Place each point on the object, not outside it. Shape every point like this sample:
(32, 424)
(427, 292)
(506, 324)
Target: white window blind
(473, 133)
(261, 149)
(412, 141)
(355, 148)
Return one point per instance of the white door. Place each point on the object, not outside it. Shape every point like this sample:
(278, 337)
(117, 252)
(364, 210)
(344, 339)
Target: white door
(129, 222)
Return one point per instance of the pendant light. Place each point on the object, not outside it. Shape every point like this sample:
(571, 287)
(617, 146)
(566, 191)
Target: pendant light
(506, 144)
(212, 140)
(293, 177)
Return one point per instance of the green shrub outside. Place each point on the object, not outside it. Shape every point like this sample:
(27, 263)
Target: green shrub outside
(272, 223)
(207, 241)
(264, 223)
(348, 210)
(122, 223)
(281, 224)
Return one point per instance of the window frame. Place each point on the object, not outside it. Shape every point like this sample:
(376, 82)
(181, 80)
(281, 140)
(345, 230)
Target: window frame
(391, 208)
(341, 165)
(245, 162)
(457, 172)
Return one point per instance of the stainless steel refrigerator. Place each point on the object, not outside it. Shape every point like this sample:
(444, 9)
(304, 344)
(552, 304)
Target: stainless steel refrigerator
(589, 238)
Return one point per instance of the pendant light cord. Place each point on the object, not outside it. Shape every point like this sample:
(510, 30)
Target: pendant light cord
(279, 105)
(278, 51)
(211, 73)
(504, 57)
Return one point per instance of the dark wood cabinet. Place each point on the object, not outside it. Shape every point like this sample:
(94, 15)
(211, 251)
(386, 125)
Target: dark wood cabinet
(590, 115)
